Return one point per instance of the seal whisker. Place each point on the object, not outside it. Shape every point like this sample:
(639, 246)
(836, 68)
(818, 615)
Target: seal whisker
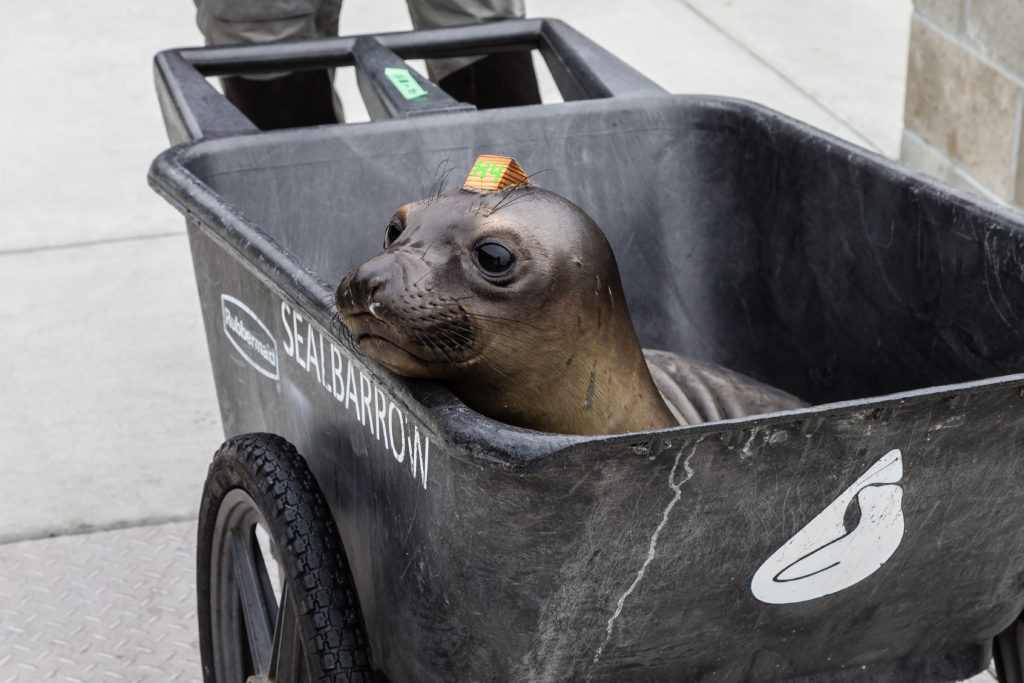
(456, 346)
(510, 194)
(501, 319)
(484, 361)
(469, 327)
(448, 326)
(493, 368)
(441, 347)
(419, 278)
(499, 345)
(441, 173)
(427, 271)
(506, 193)
(505, 203)
(328, 302)
(509, 198)
(463, 339)
(444, 180)
(337, 323)
(476, 326)
(466, 336)
(435, 189)
(430, 347)
(487, 363)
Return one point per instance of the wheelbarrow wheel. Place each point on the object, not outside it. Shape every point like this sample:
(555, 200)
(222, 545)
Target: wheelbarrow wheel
(276, 597)
(1008, 653)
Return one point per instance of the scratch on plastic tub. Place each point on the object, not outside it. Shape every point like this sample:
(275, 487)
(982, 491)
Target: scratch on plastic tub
(748, 446)
(677, 488)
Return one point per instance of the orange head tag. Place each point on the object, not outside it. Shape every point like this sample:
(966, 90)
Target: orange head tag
(495, 173)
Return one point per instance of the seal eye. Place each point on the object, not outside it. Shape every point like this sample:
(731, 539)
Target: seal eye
(392, 232)
(493, 259)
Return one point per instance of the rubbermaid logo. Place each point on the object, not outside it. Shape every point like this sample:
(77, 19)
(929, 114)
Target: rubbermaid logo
(824, 557)
(249, 336)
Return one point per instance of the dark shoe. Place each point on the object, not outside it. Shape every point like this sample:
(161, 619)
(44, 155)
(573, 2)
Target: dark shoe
(502, 80)
(303, 98)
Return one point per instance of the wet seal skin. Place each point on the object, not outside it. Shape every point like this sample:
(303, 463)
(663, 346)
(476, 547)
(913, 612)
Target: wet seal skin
(512, 298)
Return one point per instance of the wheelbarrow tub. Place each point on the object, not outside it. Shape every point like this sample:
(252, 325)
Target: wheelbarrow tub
(743, 237)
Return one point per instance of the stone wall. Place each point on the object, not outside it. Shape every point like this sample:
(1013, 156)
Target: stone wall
(965, 95)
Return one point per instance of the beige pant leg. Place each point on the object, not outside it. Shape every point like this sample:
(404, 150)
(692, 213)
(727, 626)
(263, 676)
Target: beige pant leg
(443, 13)
(227, 22)
(232, 22)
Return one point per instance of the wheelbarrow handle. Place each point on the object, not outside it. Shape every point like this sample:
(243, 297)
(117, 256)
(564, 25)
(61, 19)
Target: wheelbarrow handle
(193, 109)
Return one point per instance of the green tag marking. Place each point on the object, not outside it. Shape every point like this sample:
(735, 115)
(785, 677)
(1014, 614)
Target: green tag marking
(485, 168)
(404, 82)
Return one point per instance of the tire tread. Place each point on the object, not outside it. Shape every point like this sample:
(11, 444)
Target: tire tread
(277, 478)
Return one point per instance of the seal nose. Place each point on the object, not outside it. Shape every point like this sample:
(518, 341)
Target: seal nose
(357, 289)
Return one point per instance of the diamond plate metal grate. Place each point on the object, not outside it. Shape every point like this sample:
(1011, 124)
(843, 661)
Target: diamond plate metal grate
(108, 606)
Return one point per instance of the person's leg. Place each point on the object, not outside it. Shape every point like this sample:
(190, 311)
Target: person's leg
(282, 100)
(499, 80)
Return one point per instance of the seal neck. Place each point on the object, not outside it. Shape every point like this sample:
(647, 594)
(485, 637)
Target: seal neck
(599, 385)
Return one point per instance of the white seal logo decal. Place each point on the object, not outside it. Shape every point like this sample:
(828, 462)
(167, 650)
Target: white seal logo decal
(249, 336)
(823, 557)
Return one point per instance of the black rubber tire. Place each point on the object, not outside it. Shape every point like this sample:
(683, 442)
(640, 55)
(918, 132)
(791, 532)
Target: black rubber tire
(1008, 653)
(260, 480)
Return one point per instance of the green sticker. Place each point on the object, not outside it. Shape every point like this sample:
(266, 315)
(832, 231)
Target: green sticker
(485, 168)
(406, 84)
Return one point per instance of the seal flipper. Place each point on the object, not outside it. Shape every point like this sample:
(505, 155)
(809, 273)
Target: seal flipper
(675, 398)
(697, 391)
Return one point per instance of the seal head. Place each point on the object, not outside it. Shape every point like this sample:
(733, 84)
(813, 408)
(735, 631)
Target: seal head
(513, 299)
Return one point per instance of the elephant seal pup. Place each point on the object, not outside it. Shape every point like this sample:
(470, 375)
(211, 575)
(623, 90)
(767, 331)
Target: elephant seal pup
(512, 298)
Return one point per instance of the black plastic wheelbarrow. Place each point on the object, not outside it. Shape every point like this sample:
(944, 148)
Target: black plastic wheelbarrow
(876, 536)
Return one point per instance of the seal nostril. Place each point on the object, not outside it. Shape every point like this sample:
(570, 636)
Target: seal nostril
(374, 284)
